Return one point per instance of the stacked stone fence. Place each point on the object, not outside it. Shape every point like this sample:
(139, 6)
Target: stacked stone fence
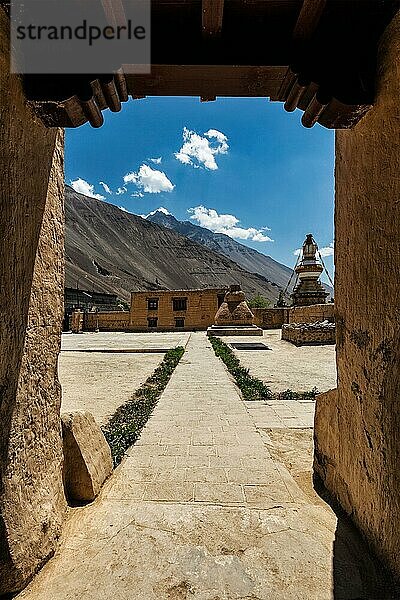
(302, 334)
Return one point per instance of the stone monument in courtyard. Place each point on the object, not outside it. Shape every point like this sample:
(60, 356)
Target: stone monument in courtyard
(308, 325)
(309, 289)
(234, 316)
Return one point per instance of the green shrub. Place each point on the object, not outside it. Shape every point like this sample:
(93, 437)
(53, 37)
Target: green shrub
(291, 395)
(126, 424)
(259, 302)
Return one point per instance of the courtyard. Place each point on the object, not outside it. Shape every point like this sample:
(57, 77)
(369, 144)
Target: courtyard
(215, 500)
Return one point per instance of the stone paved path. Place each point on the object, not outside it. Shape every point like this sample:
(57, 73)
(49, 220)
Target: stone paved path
(199, 510)
(282, 414)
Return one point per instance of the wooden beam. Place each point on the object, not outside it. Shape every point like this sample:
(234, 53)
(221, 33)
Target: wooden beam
(114, 11)
(308, 19)
(207, 81)
(212, 16)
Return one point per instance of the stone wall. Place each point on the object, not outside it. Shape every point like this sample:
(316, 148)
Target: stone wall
(270, 318)
(106, 321)
(312, 334)
(32, 502)
(357, 427)
(202, 306)
(312, 313)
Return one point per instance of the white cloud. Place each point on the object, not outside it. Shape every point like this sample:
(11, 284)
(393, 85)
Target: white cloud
(221, 139)
(200, 150)
(327, 250)
(156, 161)
(105, 186)
(227, 224)
(83, 187)
(137, 195)
(121, 190)
(183, 158)
(161, 209)
(150, 180)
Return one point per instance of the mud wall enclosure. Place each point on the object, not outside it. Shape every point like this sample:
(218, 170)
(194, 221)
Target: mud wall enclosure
(357, 426)
(31, 297)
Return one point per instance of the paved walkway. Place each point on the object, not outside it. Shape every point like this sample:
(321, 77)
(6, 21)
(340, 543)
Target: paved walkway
(199, 510)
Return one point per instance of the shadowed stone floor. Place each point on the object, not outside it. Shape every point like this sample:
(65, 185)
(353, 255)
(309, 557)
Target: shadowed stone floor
(204, 508)
(119, 341)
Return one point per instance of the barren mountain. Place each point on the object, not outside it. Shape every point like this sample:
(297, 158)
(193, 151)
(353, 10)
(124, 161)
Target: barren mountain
(248, 258)
(113, 251)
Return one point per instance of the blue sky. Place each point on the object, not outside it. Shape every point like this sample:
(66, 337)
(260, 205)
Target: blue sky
(251, 162)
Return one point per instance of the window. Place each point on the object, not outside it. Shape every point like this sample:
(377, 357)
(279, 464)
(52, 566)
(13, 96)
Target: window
(180, 303)
(152, 304)
(180, 322)
(152, 321)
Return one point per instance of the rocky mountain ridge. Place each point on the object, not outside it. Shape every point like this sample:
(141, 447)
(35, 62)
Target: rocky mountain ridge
(110, 250)
(249, 259)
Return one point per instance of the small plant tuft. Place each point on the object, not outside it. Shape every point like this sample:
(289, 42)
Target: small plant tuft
(291, 395)
(126, 424)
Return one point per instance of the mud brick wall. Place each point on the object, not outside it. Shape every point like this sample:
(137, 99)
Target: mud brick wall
(107, 321)
(270, 318)
(312, 313)
(357, 428)
(32, 502)
(76, 321)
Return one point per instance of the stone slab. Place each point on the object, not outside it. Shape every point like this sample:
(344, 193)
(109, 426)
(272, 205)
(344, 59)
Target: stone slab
(87, 457)
(241, 330)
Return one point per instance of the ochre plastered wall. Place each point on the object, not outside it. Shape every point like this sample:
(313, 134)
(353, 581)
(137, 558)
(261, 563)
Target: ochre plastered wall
(32, 503)
(312, 313)
(357, 427)
(202, 306)
(106, 321)
(270, 318)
